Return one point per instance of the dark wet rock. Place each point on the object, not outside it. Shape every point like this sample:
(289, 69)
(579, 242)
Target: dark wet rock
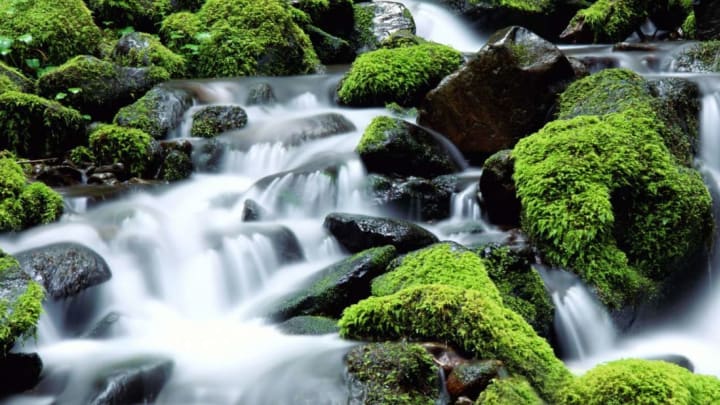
(581, 70)
(414, 198)
(707, 19)
(252, 211)
(293, 132)
(19, 372)
(376, 21)
(60, 176)
(444, 355)
(678, 105)
(158, 112)
(64, 269)
(337, 286)
(330, 49)
(498, 189)
(108, 326)
(392, 146)
(175, 166)
(284, 241)
(359, 232)
(103, 178)
(381, 373)
(309, 325)
(335, 17)
(104, 86)
(215, 119)
(260, 94)
(139, 381)
(471, 378)
(505, 93)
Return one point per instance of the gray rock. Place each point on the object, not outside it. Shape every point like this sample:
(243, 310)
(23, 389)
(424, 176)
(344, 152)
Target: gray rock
(215, 119)
(388, 17)
(158, 112)
(309, 325)
(138, 381)
(360, 232)
(414, 198)
(498, 189)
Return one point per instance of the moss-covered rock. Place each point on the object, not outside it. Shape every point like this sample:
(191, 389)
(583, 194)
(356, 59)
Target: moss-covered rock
(330, 49)
(34, 127)
(443, 263)
(7, 85)
(98, 87)
(701, 57)
(335, 17)
(176, 166)
(157, 112)
(132, 147)
(606, 21)
(467, 319)
(688, 27)
(603, 196)
(143, 15)
(378, 20)
(10, 76)
(309, 325)
(634, 381)
(392, 374)
(215, 119)
(51, 32)
(138, 49)
(20, 302)
(509, 391)
(81, 156)
(401, 75)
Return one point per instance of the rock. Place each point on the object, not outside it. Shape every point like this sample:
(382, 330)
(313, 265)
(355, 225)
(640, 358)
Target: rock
(471, 378)
(309, 325)
(104, 178)
(158, 112)
(138, 49)
(252, 211)
(64, 269)
(176, 166)
(444, 355)
(678, 105)
(215, 119)
(392, 146)
(677, 359)
(376, 21)
(330, 49)
(360, 232)
(337, 286)
(103, 86)
(138, 151)
(700, 57)
(139, 381)
(260, 94)
(294, 132)
(498, 189)
(707, 19)
(605, 21)
(22, 83)
(414, 198)
(284, 241)
(504, 94)
(19, 372)
(208, 154)
(60, 176)
(335, 17)
(106, 327)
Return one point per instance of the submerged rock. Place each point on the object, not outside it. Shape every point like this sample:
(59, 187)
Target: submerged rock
(252, 211)
(64, 269)
(260, 94)
(309, 325)
(138, 381)
(414, 198)
(295, 131)
(360, 232)
(471, 378)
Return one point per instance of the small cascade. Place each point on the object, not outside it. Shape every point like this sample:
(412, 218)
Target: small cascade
(465, 204)
(710, 131)
(582, 324)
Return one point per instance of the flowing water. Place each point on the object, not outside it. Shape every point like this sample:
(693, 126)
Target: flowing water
(192, 282)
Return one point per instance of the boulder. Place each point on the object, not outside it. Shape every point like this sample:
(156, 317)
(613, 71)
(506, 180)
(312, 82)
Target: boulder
(213, 120)
(376, 21)
(137, 381)
(21, 299)
(498, 189)
(295, 131)
(64, 269)
(157, 113)
(359, 232)
(260, 94)
(505, 93)
(606, 21)
(19, 81)
(395, 147)
(470, 378)
(175, 166)
(59, 175)
(707, 19)
(335, 17)
(337, 286)
(414, 198)
(330, 49)
(252, 211)
(139, 49)
(19, 372)
(136, 150)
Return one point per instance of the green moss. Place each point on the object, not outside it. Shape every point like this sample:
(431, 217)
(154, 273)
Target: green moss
(612, 20)
(21, 83)
(35, 127)
(374, 134)
(362, 36)
(19, 316)
(443, 263)
(114, 144)
(214, 120)
(178, 31)
(466, 319)
(402, 75)
(12, 179)
(701, 57)
(393, 374)
(151, 52)
(81, 156)
(21, 205)
(41, 204)
(7, 85)
(688, 26)
(509, 391)
(176, 166)
(58, 30)
(634, 381)
(143, 15)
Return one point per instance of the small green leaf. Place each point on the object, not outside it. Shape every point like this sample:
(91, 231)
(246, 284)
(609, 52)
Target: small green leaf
(25, 38)
(202, 36)
(74, 90)
(87, 117)
(5, 45)
(60, 95)
(127, 30)
(33, 63)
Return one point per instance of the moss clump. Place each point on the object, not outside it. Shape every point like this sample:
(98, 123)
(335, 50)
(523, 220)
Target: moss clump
(520, 286)
(213, 120)
(401, 75)
(7, 85)
(142, 15)
(58, 30)
(688, 26)
(20, 303)
(21, 83)
(442, 263)
(634, 381)
(467, 319)
(178, 31)
(374, 135)
(35, 127)
(21, 205)
(176, 166)
(132, 147)
(139, 49)
(612, 20)
(509, 391)
(81, 156)
(393, 374)
(701, 57)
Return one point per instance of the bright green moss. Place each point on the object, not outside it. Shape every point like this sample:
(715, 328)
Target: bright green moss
(12, 179)
(21, 83)
(41, 204)
(114, 144)
(466, 319)
(81, 156)
(20, 303)
(612, 20)
(151, 53)
(373, 136)
(35, 127)
(643, 382)
(58, 30)
(401, 75)
(178, 31)
(442, 263)
(7, 85)
(688, 26)
(509, 391)
(362, 35)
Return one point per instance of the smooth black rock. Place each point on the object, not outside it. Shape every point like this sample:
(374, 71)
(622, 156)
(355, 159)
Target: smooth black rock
(136, 382)
(64, 269)
(359, 232)
(252, 211)
(19, 372)
(498, 189)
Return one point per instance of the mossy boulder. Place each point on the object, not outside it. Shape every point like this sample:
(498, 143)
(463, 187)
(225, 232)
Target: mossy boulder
(392, 374)
(509, 391)
(99, 88)
(179, 32)
(158, 112)
(7, 85)
(143, 15)
(336, 17)
(213, 120)
(51, 32)
(330, 49)
(401, 75)
(359, 232)
(466, 319)
(393, 146)
(338, 286)
(309, 325)
(701, 57)
(20, 303)
(139, 49)
(132, 147)
(443, 263)
(606, 21)
(11, 77)
(34, 127)
(633, 381)
(176, 165)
